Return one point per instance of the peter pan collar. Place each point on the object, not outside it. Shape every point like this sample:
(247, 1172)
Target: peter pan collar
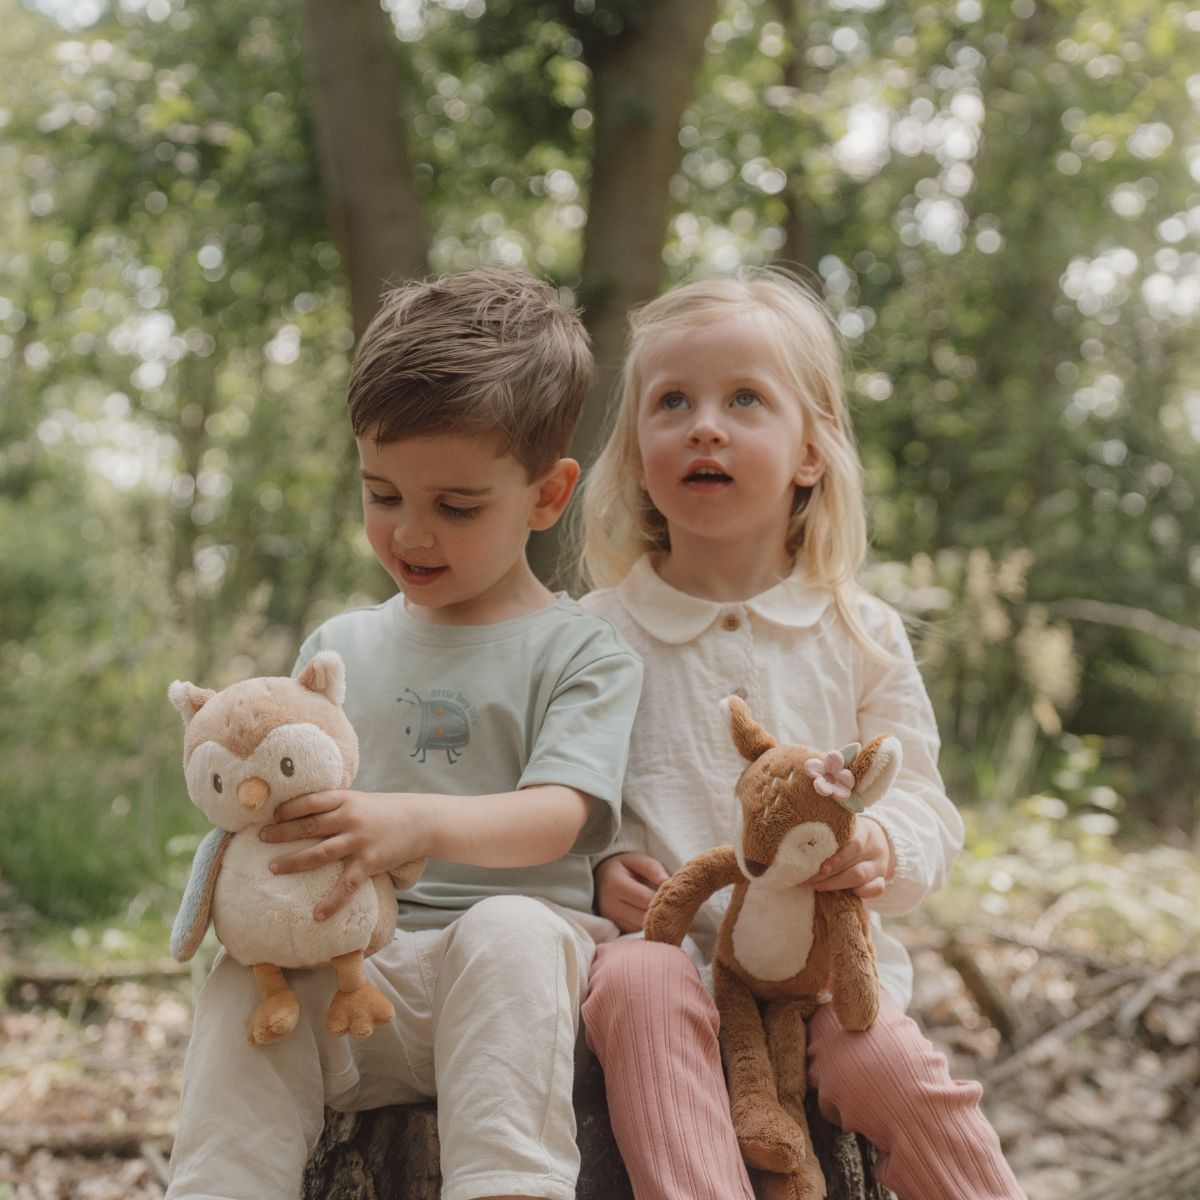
(675, 617)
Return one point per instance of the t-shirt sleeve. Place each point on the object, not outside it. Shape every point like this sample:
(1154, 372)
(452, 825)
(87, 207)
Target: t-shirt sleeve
(583, 741)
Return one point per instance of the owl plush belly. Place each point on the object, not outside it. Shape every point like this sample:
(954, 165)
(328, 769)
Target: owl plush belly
(265, 918)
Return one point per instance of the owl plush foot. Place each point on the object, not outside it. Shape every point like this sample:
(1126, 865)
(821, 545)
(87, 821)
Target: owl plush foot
(277, 1011)
(358, 1012)
(358, 1006)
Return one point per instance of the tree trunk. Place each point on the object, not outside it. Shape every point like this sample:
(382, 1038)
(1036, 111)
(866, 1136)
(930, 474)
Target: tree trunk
(392, 1153)
(362, 143)
(642, 80)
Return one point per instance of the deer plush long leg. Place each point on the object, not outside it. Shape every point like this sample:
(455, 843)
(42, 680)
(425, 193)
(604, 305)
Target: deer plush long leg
(279, 1009)
(769, 1138)
(357, 1006)
(787, 1044)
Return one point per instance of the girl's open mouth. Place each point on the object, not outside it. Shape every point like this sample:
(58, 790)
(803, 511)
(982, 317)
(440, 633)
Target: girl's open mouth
(706, 479)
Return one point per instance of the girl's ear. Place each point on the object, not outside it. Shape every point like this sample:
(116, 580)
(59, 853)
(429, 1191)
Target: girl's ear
(811, 467)
(750, 738)
(554, 491)
(875, 768)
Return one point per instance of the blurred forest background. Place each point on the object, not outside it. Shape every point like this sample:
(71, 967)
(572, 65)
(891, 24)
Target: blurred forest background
(1000, 200)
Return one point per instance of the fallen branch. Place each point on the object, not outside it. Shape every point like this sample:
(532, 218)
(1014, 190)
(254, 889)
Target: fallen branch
(89, 1139)
(1122, 617)
(1158, 985)
(992, 1003)
(1172, 1173)
(1033, 1051)
(16, 975)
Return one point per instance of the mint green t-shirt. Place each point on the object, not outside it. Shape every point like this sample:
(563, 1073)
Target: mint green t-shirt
(547, 698)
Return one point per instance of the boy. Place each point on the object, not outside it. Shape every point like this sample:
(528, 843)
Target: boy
(503, 713)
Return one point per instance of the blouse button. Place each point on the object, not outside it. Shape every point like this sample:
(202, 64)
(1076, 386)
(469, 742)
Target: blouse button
(731, 622)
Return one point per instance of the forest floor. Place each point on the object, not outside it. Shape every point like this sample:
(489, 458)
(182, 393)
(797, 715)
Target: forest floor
(1088, 1062)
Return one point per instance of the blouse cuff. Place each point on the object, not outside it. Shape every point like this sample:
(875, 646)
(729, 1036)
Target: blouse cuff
(907, 887)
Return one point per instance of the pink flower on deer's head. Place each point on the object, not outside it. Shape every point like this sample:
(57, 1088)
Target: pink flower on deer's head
(831, 776)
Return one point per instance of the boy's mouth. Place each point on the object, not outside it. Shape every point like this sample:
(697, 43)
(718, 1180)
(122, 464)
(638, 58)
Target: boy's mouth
(420, 576)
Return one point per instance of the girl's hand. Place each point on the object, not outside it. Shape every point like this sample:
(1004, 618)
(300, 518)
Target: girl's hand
(625, 885)
(862, 866)
(367, 832)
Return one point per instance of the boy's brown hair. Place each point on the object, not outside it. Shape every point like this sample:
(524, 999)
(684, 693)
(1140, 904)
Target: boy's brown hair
(484, 351)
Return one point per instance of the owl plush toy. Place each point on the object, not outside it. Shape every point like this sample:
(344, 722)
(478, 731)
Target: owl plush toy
(247, 749)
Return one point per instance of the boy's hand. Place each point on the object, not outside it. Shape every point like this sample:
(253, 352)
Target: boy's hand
(625, 885)
(368, 832)
(863, 865)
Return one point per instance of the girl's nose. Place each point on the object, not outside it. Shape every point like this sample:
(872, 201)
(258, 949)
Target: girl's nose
(706, 432)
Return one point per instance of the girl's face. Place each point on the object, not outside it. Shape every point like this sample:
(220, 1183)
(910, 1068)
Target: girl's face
(722, 435)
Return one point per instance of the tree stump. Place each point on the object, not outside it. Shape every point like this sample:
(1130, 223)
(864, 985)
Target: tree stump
(392, 1153)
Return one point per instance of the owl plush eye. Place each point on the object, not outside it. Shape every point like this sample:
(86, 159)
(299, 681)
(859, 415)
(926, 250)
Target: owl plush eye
(218, 784)
(287, 767)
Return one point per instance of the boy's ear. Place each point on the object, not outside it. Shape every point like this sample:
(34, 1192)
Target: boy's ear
(554, 492)
(811, 468)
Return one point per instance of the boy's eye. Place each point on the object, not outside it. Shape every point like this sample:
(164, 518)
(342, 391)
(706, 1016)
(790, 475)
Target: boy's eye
(375, 498)
(450, 510)
(672, 401)
(746, 399)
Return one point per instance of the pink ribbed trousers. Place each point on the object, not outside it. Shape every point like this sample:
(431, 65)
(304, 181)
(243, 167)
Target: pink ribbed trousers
(653, 1025)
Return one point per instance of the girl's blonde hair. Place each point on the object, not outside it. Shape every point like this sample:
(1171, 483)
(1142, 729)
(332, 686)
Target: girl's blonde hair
(827, 533)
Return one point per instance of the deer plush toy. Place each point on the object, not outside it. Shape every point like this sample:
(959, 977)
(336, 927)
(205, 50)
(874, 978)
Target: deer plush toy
(783, 948)
(247, 749)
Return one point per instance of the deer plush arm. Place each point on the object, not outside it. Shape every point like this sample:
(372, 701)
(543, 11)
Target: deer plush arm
(854, 981)
(677, 901)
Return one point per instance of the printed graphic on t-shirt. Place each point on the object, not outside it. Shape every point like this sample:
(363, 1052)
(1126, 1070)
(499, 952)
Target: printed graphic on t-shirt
(443, 722)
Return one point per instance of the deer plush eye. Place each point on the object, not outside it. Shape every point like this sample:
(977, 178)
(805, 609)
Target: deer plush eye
(287, 767)
(218, 785)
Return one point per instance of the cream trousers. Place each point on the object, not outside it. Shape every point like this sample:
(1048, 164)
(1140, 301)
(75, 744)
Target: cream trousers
(486, 1014)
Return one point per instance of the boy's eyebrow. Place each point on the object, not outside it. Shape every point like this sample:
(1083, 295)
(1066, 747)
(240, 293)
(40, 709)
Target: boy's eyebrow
(457, 489)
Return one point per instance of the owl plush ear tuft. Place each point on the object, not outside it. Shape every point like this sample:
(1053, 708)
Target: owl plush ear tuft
(325, 675)
(188, 698)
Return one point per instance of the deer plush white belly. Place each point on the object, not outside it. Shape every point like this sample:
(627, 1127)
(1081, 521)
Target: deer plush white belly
(783, 948)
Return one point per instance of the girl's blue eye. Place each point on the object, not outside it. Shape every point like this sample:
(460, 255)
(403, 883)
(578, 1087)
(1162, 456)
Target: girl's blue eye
(746, 400)
(672, 401)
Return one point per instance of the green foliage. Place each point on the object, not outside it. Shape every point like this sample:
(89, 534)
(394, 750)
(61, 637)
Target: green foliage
(999, 199)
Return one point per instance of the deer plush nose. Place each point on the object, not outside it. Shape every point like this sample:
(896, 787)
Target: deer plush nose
(253, 793)
(754, 867)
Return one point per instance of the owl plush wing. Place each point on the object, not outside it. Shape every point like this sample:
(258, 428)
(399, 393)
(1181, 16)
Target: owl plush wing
(191, 923)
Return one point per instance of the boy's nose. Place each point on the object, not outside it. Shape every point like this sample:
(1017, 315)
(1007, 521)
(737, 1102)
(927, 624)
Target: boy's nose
(411, 537)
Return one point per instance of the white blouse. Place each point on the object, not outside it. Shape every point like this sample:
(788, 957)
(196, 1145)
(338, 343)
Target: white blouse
(789, 654)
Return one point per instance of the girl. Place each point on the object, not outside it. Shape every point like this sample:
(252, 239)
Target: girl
(724, 525)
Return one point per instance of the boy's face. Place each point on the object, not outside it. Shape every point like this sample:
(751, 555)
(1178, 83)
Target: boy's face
(448, 517)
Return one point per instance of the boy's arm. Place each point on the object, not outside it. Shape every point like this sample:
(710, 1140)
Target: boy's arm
(375, 832)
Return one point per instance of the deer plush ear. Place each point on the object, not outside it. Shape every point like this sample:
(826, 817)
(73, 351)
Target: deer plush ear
(325, 675)
(875, 768)
(750, 738)
(189, 699)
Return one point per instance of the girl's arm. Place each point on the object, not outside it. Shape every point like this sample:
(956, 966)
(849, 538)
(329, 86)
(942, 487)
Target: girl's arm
(921, 822)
